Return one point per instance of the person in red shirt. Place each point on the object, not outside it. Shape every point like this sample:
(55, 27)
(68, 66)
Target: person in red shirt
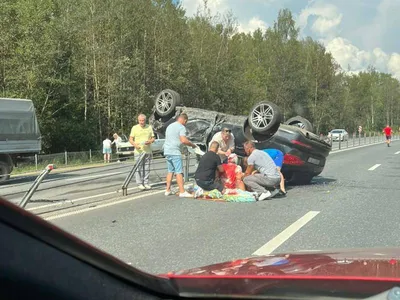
(388, 132)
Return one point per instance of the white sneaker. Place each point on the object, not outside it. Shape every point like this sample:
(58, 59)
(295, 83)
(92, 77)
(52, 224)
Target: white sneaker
(185, 195)
(148, 187)
(168, 193)
(141, 187)
(264, 196)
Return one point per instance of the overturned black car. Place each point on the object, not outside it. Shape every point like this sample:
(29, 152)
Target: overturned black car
(305, 153)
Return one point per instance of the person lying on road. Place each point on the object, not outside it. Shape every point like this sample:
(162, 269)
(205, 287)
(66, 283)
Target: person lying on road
(231, 178)
(208, 168)
(268, 176)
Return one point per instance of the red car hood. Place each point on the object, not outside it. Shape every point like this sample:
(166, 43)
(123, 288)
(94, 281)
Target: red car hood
(377, 262)
(357, 272)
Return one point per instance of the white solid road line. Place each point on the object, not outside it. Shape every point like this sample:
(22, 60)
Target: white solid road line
(398, 152)
(102, 205)
(374, 167)
(278, 240)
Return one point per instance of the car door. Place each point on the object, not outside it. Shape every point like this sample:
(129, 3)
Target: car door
(158, 144)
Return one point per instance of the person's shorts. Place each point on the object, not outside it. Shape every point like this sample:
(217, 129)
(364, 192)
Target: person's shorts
(276, 155)
(210, 185)
(106, 150)
(388, 137)
(174, 164)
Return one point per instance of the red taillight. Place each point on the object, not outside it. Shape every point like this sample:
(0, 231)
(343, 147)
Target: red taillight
(301, 144)
(292, 160)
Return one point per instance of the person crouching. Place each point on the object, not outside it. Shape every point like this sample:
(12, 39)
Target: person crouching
(209, 165)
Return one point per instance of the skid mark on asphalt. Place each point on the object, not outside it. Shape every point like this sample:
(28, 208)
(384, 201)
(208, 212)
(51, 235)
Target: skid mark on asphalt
(282, 237)
(374, 167)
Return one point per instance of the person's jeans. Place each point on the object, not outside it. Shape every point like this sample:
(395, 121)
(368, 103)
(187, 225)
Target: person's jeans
(209, 185)
(259, 182)
(142, 174)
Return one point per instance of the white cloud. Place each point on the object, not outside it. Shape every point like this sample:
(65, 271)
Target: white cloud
(346, 54)
(253, 25)
(214, 6)
(328, 18)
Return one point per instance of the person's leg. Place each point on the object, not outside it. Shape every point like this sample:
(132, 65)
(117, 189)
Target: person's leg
(178, 166)
(258, 183)
(282, 183)
(170, 174)
(146, 176)
(139, 171)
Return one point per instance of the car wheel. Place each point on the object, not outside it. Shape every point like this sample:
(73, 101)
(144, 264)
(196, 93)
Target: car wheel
(265, 118)
(300, 122)
(4, 172)
(166, 102)
(250, 135)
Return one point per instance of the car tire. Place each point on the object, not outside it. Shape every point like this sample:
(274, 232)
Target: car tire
(4, 172)
(300, 122)
(166, 102)
(250, 135)
(265, 118)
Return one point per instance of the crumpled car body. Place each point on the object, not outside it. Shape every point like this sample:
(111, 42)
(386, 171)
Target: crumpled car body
(304, 152)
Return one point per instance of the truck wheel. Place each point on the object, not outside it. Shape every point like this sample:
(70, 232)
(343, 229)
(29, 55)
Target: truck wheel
(4, 172)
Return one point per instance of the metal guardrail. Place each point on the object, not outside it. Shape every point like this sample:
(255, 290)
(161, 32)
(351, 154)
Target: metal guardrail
(360, 140)
(140, 163)
(35, 185)
(135, 167)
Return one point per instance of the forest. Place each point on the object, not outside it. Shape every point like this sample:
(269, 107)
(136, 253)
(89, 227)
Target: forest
(92, 66)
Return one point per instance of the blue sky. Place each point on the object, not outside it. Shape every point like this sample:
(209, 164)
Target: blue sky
(357, 32)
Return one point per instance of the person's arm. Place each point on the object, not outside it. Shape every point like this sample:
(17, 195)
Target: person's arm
(250, 167)
(152, 138)
(184, 140)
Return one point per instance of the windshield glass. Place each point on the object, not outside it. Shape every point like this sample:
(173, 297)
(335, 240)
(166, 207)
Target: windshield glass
(257, 128)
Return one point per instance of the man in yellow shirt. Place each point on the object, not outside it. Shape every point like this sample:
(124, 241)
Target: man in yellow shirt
(141, 137)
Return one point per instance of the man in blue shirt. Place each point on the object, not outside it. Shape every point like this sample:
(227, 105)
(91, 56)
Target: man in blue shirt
(175, 138)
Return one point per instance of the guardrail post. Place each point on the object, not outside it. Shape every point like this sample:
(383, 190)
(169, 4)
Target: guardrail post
(35, 185)
(370, 138)
(347, 142)
(90, 155)
(365, 138)
(36, 162)
(186, 170)
(374, 138)
(359, 138)
(340, 141)
(66, 157)
(354, 139)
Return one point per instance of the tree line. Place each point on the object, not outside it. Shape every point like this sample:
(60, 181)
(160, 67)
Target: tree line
(91, 66)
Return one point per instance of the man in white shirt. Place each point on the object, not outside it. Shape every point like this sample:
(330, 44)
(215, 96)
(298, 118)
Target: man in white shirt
(116, 141)
(226, 142)
(107, 149)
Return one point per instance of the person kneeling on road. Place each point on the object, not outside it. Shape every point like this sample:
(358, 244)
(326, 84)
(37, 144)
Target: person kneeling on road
(268, 176)
(209, 165)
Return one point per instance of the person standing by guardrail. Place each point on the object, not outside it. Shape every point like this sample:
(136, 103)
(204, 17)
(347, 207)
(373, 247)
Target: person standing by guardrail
(141, 137)
(116, 141)
(175, 137)
(107, 149)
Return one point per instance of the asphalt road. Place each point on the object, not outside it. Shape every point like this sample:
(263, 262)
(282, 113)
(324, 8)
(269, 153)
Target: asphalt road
(354, 203)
